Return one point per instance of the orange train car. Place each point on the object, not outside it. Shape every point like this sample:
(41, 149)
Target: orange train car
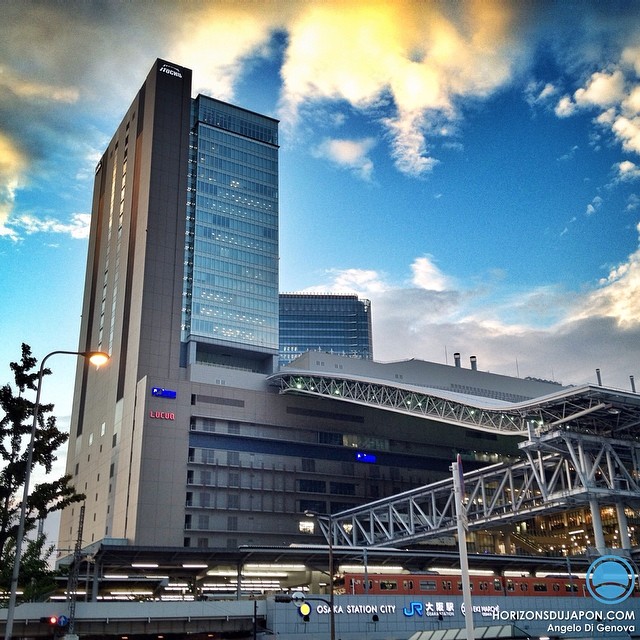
(433, 584)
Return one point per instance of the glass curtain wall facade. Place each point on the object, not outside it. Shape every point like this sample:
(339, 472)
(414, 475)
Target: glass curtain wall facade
(339, 324)
(231, 262)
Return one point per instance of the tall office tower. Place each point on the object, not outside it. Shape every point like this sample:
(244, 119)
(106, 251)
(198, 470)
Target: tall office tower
(339, 324)
(182, 275)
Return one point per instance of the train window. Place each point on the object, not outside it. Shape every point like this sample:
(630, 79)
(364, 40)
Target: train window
(448, 585)
(539, 586)
(497, 585)
(459, 586)
(524, 586)
(510, 585)
(388, 585)
(571, 588)
(407, 584)
(556, 587)
(428, 585)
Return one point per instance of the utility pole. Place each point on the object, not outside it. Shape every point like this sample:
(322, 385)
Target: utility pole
(72, 584)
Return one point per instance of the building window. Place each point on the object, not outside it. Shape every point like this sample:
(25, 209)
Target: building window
(203, 522)
(312, 486)
(308, 464)
(343, 488)
(233, 458)
(306, 526)
(232, 523)
(233, 501)
(319, 506)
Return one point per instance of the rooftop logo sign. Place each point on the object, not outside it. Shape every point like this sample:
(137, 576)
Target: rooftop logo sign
(170, 70)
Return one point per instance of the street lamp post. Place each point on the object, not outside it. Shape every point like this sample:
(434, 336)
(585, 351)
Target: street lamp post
(96, 357)
(332, 617)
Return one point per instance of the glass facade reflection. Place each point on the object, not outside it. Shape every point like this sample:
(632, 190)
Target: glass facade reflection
(231, 260)
(339, 324)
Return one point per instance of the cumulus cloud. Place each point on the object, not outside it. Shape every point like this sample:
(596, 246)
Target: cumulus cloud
(410, 54)
(77, 227)
(594, 205)
(539, 93)
(349, 154)
(615, 94)
(543, 332)
(426, 275)
(626, 171)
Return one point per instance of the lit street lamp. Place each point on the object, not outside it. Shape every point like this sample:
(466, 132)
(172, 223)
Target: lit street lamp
(97, 358)
(332, 618)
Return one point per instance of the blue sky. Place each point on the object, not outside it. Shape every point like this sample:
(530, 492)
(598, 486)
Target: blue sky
(471, 167)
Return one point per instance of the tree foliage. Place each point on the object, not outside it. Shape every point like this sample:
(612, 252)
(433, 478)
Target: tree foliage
(16, 419)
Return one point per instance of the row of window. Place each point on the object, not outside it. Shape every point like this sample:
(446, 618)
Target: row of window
(237, 203)
(233, 300)
(238, 239)
(224, 283)
(218, 143)
(214, 116)
(239, 270)
(226, 180)
(212, 249)
(235, 224)
(258, 337)
(236, 169)
(251, 147)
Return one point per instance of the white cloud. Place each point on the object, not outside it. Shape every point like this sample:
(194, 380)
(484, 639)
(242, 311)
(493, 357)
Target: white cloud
(12, 167)
(77, 227)
(422, 58)
(540, 93)
(349, 154)
(427, 276)
(594, 205)
(602, 90)
(616, 94)
(565, 107)
(361, 281)
(627, 171)
(546, 329)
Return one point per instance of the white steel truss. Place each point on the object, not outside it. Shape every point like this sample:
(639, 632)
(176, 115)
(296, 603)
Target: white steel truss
(561, 469)
(590, 409)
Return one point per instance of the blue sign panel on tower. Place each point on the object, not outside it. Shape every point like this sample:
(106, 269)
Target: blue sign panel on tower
(159, 392)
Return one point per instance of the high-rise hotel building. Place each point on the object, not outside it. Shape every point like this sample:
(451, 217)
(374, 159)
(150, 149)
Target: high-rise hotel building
(184, 439)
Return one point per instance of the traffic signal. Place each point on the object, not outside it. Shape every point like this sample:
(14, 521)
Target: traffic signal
(280, 597)
(55, 621)
(304, 610)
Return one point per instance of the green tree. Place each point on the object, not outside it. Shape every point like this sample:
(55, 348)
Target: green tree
(16, 418)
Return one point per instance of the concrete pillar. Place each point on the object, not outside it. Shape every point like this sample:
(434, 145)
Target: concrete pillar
(623, 526)
(598, 534)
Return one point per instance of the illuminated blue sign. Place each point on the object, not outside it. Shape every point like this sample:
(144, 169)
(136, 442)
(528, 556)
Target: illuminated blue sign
(361, 456)
(159, 392)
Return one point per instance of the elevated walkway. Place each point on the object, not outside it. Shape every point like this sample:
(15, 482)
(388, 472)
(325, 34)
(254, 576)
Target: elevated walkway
(562, 468)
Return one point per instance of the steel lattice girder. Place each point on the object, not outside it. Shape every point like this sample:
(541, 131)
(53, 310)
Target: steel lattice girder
(588, 409)
(542, 484)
